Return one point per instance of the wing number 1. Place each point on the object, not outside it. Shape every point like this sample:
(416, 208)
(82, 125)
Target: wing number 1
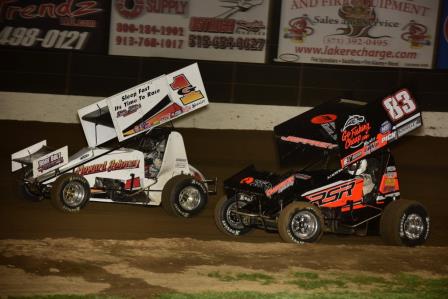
(399, 105)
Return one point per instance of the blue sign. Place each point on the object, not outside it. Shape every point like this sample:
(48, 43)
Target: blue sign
(442, 59)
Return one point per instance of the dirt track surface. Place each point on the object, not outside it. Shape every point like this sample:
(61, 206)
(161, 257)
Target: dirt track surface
(153, 266)
(122, 249)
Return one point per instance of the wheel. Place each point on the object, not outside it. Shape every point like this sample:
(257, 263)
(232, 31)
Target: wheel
(184, 196)
(226, 220)
(26, 191)
(300, 222)
(70, 192)
(404, 222)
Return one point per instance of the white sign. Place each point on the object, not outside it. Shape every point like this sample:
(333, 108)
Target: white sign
(384, 33)
(225, 30)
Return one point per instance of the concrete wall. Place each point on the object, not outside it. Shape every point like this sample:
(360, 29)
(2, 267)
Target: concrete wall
(63, 109)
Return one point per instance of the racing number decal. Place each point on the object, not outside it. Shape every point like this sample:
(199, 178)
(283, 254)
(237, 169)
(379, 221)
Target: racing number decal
(399, 105)
(186, 90)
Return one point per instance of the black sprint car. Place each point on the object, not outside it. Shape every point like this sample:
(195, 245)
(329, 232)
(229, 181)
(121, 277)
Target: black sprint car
(350, 181)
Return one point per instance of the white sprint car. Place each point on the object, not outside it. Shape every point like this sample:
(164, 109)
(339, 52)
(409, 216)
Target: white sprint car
(147, 166)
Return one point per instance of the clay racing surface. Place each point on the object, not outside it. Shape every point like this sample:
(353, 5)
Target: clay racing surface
(141, 251)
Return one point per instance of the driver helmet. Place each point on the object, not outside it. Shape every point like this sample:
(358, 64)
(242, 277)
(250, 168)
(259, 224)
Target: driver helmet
(358, 168)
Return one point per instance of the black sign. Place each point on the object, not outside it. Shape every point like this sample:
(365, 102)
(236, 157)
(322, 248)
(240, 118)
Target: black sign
(77, 25)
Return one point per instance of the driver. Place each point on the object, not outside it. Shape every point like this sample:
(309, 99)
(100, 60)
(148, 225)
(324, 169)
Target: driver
(359, 170)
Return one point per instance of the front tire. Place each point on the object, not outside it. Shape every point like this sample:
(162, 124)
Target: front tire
(227, 220)
(404, 222)
(70, 193)
(300, 222)
(184, 196)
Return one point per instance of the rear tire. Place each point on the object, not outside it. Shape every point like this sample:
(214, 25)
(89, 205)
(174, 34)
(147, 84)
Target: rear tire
(26, 192)
(300, 222)
(70, 193)
(226, 220)
(404, 223)
(184, 196)
(24, 189)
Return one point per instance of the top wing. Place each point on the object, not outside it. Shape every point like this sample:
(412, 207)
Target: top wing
(351, 129)
(143, 107)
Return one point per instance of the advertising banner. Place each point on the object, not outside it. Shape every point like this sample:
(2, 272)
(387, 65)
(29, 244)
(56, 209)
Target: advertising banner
(76, 25)
(384, 33)
(442, 60)
(225, 30)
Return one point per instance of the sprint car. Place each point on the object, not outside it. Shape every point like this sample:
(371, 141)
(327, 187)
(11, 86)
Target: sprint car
(130, 157)
(349, 181)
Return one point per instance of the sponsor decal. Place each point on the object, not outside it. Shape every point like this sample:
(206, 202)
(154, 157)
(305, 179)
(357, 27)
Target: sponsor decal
(168, 113)
(352, 158)
(279, 188)
(130, 110)
(131, 101)
(389, 183)
(311, 142)
(336, 194)
(391, 168)
(355, 206)
(245, 197)
(302, 176)
(323, 119)
(50, 162)
(107, 166)
(370, 146)
(403, 130)
(330, 128)
(388, 138)
(84, 156)
(335, 173)
(188, 92)
(355, 131)
(249, 180)
(385, 127)
(256, 183)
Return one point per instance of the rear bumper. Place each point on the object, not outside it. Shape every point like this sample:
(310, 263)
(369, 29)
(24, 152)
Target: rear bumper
(211, 185)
